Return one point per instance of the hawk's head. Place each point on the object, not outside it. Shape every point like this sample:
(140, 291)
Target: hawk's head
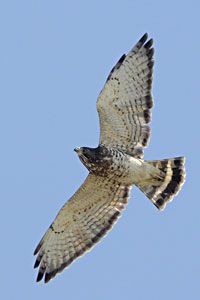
(96, 160)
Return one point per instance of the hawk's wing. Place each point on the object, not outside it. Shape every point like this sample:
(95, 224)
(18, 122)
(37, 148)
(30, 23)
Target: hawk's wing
(125, 101)
(82, 221)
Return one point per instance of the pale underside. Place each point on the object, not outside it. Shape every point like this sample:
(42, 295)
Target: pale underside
(82, 221)
(123, 106)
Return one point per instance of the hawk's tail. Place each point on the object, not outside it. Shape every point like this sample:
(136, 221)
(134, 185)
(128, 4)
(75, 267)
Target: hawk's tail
(167, 178)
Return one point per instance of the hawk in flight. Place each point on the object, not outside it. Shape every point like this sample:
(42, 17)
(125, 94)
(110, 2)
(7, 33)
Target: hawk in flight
(117, 163)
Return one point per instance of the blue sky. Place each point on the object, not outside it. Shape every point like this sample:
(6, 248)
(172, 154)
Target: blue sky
(54, 59)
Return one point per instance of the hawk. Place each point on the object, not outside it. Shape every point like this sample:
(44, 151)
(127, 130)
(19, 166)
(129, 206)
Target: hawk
(117, 163)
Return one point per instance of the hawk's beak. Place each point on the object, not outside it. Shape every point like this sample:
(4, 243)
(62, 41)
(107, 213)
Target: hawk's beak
(78, 150)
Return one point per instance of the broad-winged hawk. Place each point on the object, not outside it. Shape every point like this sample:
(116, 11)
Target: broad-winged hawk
(114, 166)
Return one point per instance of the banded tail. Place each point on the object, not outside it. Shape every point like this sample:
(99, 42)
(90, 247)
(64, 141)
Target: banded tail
(168, 176)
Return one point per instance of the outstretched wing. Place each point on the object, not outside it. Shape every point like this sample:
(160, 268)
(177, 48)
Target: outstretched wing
(79, 225)
(125, 101)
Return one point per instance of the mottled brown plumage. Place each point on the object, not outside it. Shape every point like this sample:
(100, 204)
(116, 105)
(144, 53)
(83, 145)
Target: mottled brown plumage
(114, 166)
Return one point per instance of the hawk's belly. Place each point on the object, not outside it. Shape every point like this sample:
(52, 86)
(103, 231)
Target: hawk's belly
(127, 169)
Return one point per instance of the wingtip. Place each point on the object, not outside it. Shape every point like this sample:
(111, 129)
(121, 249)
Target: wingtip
(144, 42)
(149, 44)
(40, 276)
(143, 38)
(37, 249)
(35, 252)
(37, 262)
(47, 278)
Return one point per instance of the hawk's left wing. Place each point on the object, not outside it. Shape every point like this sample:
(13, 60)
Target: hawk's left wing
(125, 101)
(80, 224)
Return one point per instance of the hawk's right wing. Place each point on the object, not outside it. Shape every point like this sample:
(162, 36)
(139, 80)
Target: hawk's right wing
(79, 225)
(125, 101)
